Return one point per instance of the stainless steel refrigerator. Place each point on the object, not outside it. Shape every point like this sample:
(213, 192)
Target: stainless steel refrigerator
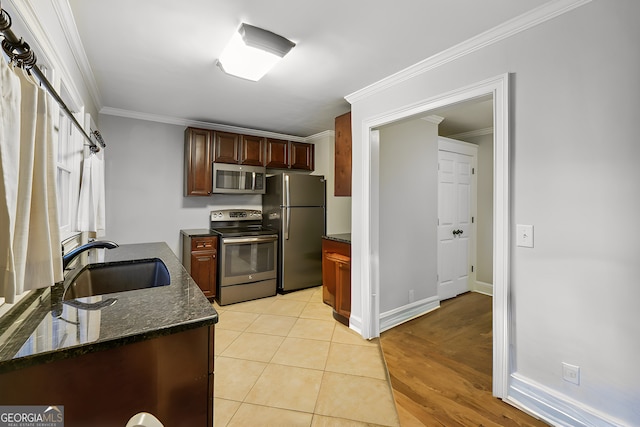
(294, 205)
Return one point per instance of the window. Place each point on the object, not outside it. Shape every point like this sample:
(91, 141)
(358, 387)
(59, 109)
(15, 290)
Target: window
(69, 147)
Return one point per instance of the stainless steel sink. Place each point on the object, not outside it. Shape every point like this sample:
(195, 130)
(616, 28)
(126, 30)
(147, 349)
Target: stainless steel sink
(100, 279)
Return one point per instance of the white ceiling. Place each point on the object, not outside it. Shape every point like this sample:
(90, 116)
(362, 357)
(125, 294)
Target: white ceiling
(157, 57)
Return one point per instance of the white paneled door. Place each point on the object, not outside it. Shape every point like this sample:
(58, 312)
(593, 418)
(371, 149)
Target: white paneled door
(455, 227)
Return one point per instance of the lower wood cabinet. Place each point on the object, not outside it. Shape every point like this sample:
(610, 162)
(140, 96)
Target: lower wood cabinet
(200, 259)
(336, 278)
(171, 376)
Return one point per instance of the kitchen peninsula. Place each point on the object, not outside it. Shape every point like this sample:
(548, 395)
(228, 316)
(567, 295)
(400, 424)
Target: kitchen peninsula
(336, 275)
(150, 350)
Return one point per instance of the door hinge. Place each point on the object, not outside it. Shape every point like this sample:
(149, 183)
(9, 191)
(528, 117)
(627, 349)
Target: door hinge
(473, 171)
(472, 219)
(472, 268)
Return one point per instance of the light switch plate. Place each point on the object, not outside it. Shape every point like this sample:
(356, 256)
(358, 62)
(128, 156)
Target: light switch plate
(524, 236)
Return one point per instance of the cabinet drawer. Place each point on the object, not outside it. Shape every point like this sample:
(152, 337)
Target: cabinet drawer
(203, 243)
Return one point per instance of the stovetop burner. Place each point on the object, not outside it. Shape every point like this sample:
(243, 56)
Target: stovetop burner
(238, 222)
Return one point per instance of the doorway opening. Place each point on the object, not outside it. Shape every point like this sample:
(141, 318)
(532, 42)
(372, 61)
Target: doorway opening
(497, 89)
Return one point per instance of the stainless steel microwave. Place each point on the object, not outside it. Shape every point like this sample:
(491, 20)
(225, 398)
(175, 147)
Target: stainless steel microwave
(238, 179)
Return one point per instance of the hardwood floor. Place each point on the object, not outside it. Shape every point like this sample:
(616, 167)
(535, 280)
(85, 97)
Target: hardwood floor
(440, 367)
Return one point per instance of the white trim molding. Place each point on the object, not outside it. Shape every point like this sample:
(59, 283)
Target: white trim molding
(397, 316)
(365, 234)
(505, 30)
(554, 407)
(70, 29)
(483, 288)
(472, 133)
(199, 124)
(40, 42)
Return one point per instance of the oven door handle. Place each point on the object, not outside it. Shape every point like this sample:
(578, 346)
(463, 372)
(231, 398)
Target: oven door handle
(259, 239)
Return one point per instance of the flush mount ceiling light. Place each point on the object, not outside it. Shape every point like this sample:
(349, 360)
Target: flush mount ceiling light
(252, 52)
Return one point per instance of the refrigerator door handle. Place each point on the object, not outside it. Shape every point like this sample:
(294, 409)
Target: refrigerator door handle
(287, 222)
(287, 191)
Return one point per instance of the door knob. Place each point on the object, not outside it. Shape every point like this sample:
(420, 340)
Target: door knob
(457, 232)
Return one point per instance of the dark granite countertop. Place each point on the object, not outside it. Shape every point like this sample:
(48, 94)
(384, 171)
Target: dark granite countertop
(45, 329)
(343, 237)
(198, 232)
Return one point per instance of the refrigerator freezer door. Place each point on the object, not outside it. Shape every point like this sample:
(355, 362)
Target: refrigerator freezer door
(303, 190)
(301, 258)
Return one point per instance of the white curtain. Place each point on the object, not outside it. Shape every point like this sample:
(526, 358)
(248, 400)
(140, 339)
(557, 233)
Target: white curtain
(91, 208)
(31, 252)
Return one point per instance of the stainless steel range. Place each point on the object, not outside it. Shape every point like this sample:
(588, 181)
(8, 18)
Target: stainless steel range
(247, 254)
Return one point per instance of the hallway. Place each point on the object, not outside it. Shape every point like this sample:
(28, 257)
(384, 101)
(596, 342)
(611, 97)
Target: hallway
(440, 368)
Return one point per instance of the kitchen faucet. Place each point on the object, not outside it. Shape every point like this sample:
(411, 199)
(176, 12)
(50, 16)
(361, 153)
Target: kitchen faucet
(66, 259)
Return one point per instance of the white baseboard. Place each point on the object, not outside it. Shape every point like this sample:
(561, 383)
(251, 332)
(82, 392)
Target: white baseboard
(483, 288)
(399, 315)
(355, 323)
(554, 407)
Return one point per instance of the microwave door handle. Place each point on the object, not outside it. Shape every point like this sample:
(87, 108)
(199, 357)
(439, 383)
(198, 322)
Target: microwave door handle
(253, 181)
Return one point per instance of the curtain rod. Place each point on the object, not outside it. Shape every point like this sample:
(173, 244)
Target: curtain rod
(20, 53)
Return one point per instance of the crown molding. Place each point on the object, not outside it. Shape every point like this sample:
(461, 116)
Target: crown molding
(321, 135)
(70, 30)
(197, 123)
(433, 119)
(39, 40)
(505, 30)
(472, 133)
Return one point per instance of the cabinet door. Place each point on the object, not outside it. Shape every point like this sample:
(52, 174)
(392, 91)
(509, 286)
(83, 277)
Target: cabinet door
(328, 276)
(253, 148)
(226, 147)
(343, 287)
(343, 156)
(277, 153)
(203, 270)
(302, 156)
(197, 159)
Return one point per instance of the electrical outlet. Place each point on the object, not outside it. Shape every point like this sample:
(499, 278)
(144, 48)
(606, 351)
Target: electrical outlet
(524, 235)
(571, 373)
(412, 297)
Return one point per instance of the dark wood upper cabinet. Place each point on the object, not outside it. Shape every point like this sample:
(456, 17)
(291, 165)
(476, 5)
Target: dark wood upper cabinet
(277, 153)
(342, 177)
(226, 147)
(252, 150)
(302, 156)
(197, 159)
(204, 147)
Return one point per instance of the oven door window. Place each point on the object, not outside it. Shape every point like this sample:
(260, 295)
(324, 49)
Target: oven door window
(248, 259)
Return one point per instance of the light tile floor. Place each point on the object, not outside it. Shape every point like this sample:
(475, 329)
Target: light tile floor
(284, 361)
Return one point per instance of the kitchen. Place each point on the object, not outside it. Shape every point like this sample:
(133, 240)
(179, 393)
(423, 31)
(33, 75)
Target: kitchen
(149, 206)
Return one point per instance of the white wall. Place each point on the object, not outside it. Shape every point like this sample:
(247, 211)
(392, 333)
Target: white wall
(144, 180)
(408, 215)
(574, 156)
(338, 208)
(484, 218)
